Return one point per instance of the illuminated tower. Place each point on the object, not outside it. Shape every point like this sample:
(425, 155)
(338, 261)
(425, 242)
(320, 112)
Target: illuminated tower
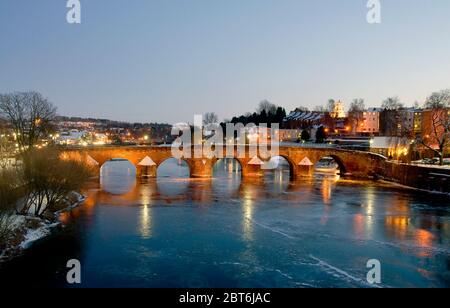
(338, 111)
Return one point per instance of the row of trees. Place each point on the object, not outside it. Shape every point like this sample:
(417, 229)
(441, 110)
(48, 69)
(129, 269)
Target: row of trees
(266, 112)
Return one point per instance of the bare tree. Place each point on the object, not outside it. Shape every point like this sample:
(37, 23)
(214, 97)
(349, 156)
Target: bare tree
(210, 118)
(392, 103)
(439, 105)
(29, 114)
(356, 113)
(302, 109)
(357, 105)
(267, 106)
(320, 109)
(330, 105)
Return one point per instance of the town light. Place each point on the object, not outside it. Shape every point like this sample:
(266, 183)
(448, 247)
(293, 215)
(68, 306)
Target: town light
(146, 137)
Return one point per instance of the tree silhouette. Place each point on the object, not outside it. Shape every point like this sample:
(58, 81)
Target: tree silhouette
(321, 135)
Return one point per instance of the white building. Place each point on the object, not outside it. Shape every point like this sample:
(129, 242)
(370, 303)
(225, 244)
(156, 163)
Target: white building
(338, 111)
(72, 137)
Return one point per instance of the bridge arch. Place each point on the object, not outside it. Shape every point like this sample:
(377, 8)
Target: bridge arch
(117, 176)
(341, 164)
(336, 159)
(285, 158)
(132, 169)
(183, 168)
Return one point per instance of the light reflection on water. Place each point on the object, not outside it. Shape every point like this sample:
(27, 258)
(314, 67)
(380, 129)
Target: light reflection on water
(227, 232)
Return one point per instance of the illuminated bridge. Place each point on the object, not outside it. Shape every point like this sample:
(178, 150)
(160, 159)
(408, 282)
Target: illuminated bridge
(301, 160)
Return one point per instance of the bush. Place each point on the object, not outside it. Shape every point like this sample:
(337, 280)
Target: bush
(9, 189)
(321, 135)
(49, 180)
(9, 195)
(305, 136)
(5, 229)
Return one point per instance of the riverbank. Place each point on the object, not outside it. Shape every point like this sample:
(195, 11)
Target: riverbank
(430, 179)
(24, 231)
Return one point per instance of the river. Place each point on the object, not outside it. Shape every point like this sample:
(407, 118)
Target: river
(226, 232)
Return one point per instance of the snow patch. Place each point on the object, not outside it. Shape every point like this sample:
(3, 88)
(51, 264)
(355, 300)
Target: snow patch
(34, 235)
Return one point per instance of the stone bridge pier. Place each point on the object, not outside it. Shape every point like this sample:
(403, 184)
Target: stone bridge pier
(200, 167)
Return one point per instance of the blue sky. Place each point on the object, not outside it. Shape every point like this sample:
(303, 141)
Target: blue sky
(166, 60)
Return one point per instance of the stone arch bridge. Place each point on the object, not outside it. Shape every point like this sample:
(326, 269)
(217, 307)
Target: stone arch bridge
(301, 160)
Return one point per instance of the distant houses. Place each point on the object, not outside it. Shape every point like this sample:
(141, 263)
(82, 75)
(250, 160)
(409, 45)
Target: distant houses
(391, 132)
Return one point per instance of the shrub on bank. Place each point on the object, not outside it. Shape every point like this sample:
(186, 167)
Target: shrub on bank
(49, 181)
(43, 184)
(9, 196)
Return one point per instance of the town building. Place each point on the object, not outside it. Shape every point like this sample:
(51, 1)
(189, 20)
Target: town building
(369, 123)
(299, 119)
(289, 135)
(397, 122)
(418, 121)
(71, 137)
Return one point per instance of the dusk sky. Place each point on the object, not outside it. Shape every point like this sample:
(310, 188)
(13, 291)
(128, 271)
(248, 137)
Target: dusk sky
(166, 60)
